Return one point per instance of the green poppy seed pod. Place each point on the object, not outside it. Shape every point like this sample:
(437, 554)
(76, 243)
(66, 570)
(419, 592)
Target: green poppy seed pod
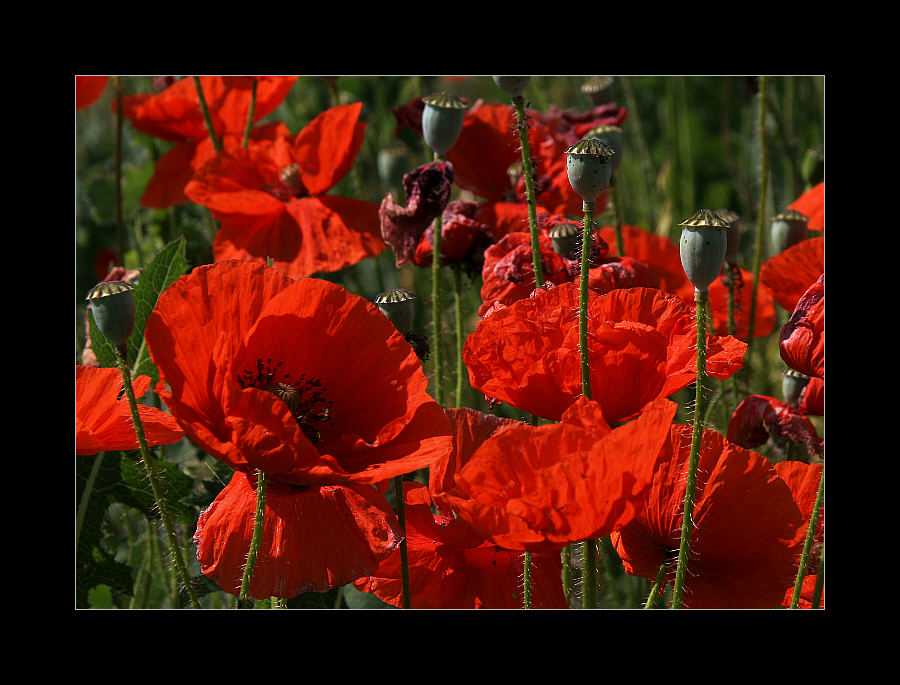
(512, 85)
(788, 228)
(733, 231)
(813, 166)
(792, 384)
(598, 89)
(112, 304)
(589, 164)
(442, 120)
(397, 305)
(612, 136)
(566, 240)
(704, 241)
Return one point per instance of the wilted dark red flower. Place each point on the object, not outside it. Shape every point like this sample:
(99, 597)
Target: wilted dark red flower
(427, 193)
(802, 340)
(88, 90)
(103, 417)
(789, 274)
(737, 560)
(641, 344)
(299, 379)
(271, 199)
(175, 115)
(463, 238)
(539, 488)
(759, 416)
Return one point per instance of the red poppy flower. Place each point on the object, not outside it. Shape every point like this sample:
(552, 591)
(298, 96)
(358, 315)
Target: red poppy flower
(304, 381)
(463, 238)
(539, 488)
(271, 200)
(88, 90)
(790, 273)
(743, 549)
(488, 148)
(759, 416)
(314, 539)
(803, 480)
(641, 344)
(802, 340)
(103, 417)
(451, 567)
(174, 115)
(812, 204)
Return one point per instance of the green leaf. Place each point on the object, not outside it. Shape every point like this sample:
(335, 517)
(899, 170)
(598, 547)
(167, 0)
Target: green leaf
(176, 486)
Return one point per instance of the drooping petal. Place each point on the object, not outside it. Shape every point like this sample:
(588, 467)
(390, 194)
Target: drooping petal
(759, 416)
(314, 539)
(327, 147)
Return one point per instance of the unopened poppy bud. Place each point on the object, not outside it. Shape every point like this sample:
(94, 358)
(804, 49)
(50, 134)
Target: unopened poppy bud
(612, 136)
(788, 229)
(733, 232)
(566, 239)
(598, 89)
(704, 241)
(397, 305)
(589, 164)
(442, 120)
(112, 304)
(512, 85)
(792, 385)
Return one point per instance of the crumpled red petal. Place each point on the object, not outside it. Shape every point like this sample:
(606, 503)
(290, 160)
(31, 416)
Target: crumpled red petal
(759, 416)
(802, 340)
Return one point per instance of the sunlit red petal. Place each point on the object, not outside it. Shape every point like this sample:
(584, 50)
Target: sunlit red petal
(790, 273)
(314, 539)
(811, 204)
(328, 145)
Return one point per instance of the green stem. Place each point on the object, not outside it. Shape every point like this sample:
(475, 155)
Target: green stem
(589, 206)
(761, 210)
(460, 337)
(86, 495)
(252, 113)
(259, 518)
(660, 576)
(522, 121)
(589, 575)
(820, 583)
(526, 580)
(700, 297)
(404, 558)
(566, 575)
(617, 208)
(808, 543)
(174, 547)
(436, 306)
(217, 145)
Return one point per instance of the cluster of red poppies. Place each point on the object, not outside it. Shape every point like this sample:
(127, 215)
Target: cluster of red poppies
(313, 392)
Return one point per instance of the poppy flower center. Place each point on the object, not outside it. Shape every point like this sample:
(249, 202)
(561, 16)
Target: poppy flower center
(289, 185)
(304, 397)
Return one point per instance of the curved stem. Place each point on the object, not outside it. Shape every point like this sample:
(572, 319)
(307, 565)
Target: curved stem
(522, 121)
(252, 113)
(807, 544)
(217, 145)
(761, 209)
(404, 553)
(687, 522)
(259, 518)
(660, 576)
(174, 547)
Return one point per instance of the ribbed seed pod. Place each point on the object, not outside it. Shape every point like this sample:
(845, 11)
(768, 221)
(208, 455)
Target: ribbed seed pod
(112, 304)
(566, 240)
(733, 231)
(792, 384)
(589, 164)
(512, 85)
(397, 305)
(612, 136)
(442, 120)
(788, 229)
(704, 241)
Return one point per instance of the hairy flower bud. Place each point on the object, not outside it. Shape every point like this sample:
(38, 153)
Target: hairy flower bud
(442, 120)
(704, 241)
(589, 164)
(112, 304)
